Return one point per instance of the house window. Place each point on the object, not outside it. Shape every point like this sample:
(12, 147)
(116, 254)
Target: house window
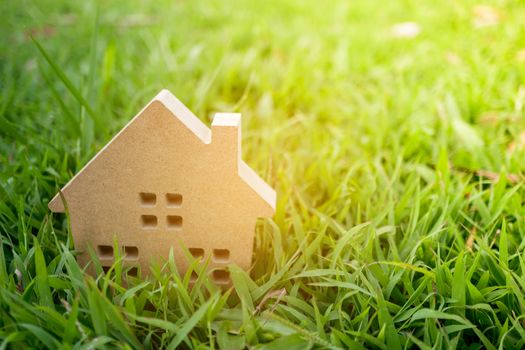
(221, 255)
(174, 222)
(105, 252)
(173, 200)
(148, 199)
(150, 221)
(197, 253)
(131, 253)
(221, 276)
(134, 271)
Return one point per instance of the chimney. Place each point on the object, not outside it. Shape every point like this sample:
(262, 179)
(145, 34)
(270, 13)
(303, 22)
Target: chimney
(226, 137)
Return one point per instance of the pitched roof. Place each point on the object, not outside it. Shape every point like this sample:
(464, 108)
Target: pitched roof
(202, 132)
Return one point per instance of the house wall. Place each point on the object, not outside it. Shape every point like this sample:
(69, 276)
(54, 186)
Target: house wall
(158, 187)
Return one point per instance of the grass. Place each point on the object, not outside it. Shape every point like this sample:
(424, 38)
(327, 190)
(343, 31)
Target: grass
(398, 164)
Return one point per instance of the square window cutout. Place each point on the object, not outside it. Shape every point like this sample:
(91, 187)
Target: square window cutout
(221, 276)
(173, 199)
(174, 222)
(131, 253)
(105, 252)
(197, 253)
(149, 221)
(133, 272)
(221, 255)
(148, 199)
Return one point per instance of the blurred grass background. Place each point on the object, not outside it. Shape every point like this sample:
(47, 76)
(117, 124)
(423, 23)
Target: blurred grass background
(393, 132)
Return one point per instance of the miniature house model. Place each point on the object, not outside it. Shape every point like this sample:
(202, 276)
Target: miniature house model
(165, 181)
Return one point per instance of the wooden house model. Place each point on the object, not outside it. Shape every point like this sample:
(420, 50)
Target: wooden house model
(166, 181)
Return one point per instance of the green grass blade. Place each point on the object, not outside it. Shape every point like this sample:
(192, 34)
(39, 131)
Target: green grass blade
(187, 326)
(459, 283)
(65, 80)
(42, 282)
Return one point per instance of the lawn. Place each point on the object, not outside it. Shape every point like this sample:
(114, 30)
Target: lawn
(396, 150)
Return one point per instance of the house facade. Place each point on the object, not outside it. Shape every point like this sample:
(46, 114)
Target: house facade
(167, 181)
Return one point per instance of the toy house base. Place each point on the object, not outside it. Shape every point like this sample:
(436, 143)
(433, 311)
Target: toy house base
(167, 181)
